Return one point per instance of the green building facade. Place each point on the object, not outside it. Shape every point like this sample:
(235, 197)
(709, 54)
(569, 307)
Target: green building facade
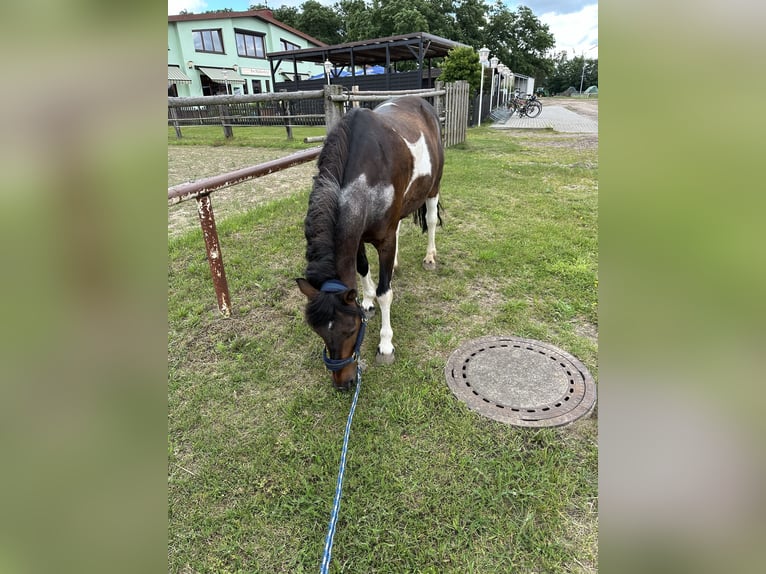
(226, 53)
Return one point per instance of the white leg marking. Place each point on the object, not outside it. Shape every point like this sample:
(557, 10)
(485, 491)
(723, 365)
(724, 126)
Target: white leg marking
(396, 251)
(386, 346)
(432, 219)
(368, 288)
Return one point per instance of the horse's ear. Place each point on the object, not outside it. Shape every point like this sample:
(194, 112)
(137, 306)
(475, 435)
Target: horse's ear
(306, 288)
(350, 296)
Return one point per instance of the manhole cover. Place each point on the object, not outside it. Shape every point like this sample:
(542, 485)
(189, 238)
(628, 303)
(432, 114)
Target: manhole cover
(520, 382)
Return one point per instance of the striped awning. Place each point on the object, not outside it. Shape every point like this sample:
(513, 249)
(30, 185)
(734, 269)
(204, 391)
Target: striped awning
(222, 75)
(176, 76)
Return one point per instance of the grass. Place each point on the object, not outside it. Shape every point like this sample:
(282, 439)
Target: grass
(255, 429)
(246, 136)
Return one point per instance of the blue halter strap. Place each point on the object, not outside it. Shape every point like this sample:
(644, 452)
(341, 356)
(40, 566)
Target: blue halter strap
(335, 286)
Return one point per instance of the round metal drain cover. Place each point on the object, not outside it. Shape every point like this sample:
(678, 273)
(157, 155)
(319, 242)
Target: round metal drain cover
(520, 382)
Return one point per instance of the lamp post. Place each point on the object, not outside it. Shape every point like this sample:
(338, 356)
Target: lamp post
(483, 55)
(327, 70)
(493, 62)
(501, 71)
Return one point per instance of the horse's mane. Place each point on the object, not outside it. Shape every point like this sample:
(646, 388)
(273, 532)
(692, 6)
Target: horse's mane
(322, 215)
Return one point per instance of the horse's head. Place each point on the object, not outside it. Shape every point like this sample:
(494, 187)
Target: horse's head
(334, 314)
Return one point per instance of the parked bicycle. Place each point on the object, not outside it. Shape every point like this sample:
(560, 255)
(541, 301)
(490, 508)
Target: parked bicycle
(529, 106)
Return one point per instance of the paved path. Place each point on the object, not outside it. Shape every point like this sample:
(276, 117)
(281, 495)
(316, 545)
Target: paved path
(556, 117)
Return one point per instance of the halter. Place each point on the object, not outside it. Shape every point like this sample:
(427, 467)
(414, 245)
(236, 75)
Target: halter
(335, 286)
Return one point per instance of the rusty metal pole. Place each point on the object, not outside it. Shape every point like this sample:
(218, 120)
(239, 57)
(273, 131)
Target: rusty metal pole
(214, 256)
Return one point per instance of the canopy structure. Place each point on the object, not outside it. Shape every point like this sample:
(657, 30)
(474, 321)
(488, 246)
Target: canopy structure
(419, 47)
(222, 75)
(176, 76)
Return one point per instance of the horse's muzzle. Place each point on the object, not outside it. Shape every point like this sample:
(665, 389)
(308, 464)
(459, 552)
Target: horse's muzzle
(343, 382)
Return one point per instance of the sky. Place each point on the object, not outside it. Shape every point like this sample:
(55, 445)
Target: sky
(573, 23)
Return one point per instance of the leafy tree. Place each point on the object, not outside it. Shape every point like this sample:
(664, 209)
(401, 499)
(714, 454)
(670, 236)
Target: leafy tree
(469, 22)
(570, 72)
(359, 20)
(321, 22)
(517, 38)
(287, 15)
(520, 40)
(462, 63)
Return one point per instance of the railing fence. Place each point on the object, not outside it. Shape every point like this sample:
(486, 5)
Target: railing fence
(288, 109)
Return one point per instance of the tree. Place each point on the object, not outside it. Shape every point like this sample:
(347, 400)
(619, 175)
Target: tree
(358, 20)
(462, 64)
(321, 22)
(286, 14)
(520, 40)
(470, 20)
(570, 72)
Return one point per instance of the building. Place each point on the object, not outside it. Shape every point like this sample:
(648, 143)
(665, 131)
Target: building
(226, 53)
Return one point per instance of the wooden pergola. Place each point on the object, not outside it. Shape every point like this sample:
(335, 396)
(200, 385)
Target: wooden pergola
(420, 47)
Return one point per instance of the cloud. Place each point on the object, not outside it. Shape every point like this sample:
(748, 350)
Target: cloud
(576, 31)
(196, 6)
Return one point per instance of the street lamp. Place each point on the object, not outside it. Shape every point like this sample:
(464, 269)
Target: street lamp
(494, 61)
(501, 75)
(327, 70)
(483, 55)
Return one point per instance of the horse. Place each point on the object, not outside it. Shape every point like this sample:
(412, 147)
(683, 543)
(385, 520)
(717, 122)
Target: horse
(376, 167)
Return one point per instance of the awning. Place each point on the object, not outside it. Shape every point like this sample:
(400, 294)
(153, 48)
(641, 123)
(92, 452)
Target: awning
(222, 75)
(176, 76)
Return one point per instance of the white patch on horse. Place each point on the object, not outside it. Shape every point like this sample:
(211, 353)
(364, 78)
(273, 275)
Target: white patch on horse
(329, 326)
(354, 197)
(421, 159)
(386, 104)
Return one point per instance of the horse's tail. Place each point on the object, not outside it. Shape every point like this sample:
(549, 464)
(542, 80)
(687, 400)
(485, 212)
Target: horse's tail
(419, 216)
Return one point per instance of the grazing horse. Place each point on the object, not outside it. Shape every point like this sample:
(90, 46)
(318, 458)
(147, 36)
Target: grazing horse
(376, 168)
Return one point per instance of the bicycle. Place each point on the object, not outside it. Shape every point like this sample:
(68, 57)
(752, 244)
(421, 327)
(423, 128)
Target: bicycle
(530, 107)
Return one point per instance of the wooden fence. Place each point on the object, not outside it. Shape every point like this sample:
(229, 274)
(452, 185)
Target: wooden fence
(450, 101)
(456, 113)
(312, 108)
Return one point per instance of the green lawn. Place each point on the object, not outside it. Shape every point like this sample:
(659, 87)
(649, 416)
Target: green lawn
(255, 428)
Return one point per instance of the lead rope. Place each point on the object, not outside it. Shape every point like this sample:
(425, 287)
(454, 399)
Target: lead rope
(339, 485)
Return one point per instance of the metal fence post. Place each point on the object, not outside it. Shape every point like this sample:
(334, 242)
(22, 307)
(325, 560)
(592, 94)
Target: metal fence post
(214, 256)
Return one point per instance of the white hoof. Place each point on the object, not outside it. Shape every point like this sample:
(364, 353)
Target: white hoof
(382, 359)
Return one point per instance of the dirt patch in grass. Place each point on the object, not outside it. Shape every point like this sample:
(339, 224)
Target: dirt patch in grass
(537, 138)
(189, 163)
(587, 107)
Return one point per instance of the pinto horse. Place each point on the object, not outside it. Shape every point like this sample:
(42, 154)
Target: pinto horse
(376, 168)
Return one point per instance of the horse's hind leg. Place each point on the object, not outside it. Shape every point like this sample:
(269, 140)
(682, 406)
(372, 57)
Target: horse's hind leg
(368, 285)
(432, 220)
(396, 253)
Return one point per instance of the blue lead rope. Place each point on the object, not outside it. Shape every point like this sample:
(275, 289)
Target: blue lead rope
(339, 485)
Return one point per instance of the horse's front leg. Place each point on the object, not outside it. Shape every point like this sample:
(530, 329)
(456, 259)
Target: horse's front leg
(432, 220)
(385, 295)
(368, 285)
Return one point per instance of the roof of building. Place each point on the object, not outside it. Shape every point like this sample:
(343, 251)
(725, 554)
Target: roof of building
(400, 48)
(265, 15)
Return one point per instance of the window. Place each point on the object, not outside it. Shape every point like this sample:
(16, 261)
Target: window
(208, 41)
(288, 45)
(249, 45)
